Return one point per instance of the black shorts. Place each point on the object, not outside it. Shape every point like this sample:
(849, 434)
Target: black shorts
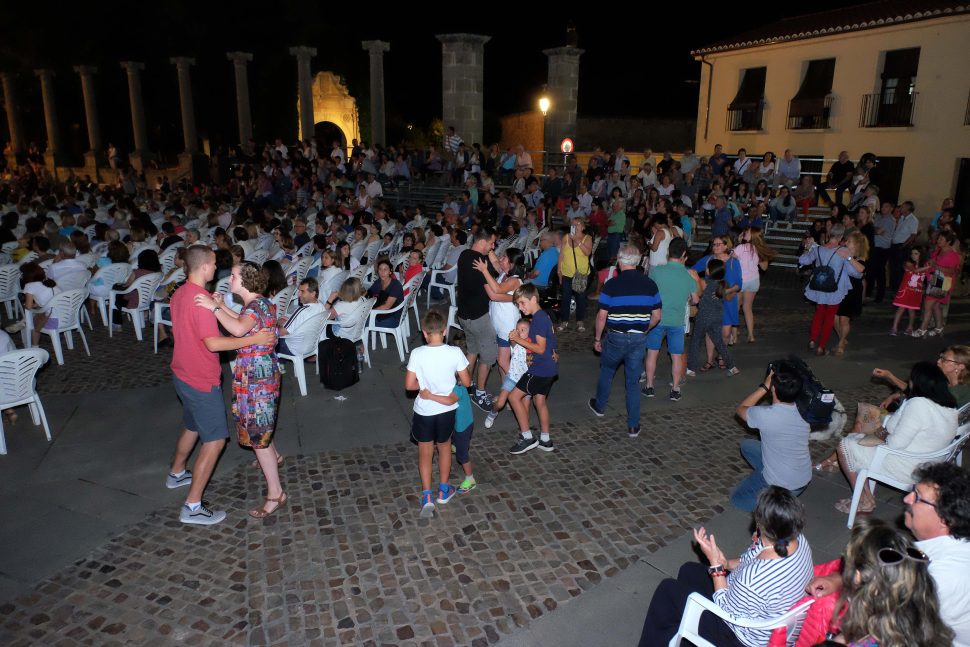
(433, 429)
(535, 385)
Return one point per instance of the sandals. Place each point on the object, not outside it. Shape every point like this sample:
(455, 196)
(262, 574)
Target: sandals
(820, 351)
(279, 461)
(260, 513)
(708, 366)
(721, 364)
(844, 505)
(828, 465)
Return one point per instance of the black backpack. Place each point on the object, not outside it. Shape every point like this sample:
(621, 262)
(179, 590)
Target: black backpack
(815, 403)
(338, 363)
(823, 276)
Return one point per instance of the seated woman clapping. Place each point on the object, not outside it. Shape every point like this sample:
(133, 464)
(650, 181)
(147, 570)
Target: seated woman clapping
(764, 583)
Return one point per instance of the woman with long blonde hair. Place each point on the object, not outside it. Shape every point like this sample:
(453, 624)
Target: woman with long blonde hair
(851, 306)
(754, 255)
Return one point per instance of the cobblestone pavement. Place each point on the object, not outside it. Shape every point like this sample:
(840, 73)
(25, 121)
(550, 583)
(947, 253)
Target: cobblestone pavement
(348, 561)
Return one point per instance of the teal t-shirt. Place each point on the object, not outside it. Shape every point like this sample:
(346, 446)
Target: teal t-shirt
(676, 285)
(464, 418)
(617, 222)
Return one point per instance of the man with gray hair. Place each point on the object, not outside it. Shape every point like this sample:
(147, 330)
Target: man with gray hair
(629, 307)
(67, 271)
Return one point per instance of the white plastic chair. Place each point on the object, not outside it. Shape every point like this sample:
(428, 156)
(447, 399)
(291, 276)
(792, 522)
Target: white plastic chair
(444, 280)
(159, 320)
(145, 287)
(452, 321)
(282, 300)
(306, 250)
(302, 266)
(697, 604)
(10, 289)
(109, 275)
(258, 257)
(312, 329)
(360, 272)
(359, 323)
(8, 248)
(66, 308)
(411, 289)
(167, 257)
(874, 473)
(30, 256)
(17, 372)
(370, 252)
(398, 332)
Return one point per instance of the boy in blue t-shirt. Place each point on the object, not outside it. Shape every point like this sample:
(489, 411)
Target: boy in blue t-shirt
(462, 438)
(540, 347)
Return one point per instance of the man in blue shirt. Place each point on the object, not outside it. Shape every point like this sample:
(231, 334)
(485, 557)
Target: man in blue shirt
(629, 307)
(548, 259)
(723, 218)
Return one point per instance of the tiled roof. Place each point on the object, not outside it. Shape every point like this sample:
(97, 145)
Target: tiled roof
(849, 19)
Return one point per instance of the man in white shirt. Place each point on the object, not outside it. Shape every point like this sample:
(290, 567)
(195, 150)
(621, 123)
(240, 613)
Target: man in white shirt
(903, 237)
(938, 515)
(689, 162)
(374, 188)
(789, 169)
(293, 329)
(68, 272)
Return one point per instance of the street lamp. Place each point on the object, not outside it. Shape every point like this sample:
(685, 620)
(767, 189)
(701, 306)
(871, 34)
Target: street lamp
(544, 105)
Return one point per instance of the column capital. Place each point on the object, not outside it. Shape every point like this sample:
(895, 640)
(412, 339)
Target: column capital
(132, 66)
(44, 73)
(375, 46)
(181, 61)
(85, 70)
(564, 51)
(239, 58)
(471, 39)
(303, 52)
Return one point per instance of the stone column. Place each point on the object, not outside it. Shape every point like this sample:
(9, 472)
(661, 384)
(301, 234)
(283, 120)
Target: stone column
(13, 116)
(53, 151)
(90, 112)
(378, 124)
(190, 138)
(304, 89)
(239, 61)
(462, 82)
(563, 86)
(140, 154)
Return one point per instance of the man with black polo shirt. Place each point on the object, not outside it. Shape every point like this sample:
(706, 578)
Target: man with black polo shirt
(473, 303)
(839, 178)
(629, 308)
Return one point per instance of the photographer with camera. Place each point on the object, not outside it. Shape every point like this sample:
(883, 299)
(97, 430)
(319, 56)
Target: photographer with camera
(781, 457)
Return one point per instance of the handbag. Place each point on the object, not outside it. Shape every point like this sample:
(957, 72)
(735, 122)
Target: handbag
(579, 280)
(938, 285)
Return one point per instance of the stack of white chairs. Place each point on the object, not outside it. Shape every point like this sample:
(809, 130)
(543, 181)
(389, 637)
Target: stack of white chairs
(10, 289)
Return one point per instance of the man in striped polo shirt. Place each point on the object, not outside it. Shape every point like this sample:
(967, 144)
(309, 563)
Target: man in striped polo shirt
(629, 307)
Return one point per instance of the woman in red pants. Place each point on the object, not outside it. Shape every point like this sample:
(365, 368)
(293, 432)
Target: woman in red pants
(830, 282)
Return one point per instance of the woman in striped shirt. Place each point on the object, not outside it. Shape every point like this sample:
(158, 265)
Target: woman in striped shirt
(764, 583)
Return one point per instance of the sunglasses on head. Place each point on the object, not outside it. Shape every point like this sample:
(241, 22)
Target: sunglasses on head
(893, 557)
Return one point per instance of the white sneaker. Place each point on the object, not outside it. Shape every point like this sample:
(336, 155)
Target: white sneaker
(16, 327)
(563, 326)
(202, 517)
(490, 419)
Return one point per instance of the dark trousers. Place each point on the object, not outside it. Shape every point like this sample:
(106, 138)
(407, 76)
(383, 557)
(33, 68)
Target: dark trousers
(876, 273)
(897, 262)
(667, 607)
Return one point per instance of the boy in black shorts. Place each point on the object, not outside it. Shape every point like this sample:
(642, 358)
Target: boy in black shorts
(540, 347)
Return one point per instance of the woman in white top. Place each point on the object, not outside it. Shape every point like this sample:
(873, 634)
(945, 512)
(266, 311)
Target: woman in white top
(765, 169)
(328, 270)
(925, 422)
(502, 312)
(38, 290)
(348, 310)
(662, 235)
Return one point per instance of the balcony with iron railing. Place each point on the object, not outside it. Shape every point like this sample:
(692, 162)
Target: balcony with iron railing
(747, 118)
(809, 114)
(888, 109)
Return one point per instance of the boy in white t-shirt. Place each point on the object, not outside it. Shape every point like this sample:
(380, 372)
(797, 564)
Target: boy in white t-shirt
(431, 372)
(517, 368)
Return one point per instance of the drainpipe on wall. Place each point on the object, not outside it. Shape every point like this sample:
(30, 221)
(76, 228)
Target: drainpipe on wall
(710, 80)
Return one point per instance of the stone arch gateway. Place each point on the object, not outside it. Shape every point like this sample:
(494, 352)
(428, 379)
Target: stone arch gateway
(332, 103)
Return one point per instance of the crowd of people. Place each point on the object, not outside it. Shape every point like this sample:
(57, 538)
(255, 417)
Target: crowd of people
(521, 261)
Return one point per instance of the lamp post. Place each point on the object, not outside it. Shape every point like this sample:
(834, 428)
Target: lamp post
(544, 105)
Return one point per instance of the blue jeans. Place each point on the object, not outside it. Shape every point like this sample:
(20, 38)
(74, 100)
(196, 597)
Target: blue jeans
(745, 495)
(567, 296)
(613, 245)
(626, 349)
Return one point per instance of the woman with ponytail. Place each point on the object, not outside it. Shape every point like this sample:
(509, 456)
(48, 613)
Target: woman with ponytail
(764, 583)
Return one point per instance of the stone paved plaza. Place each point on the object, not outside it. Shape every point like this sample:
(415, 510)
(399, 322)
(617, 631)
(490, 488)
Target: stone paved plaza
(348, 561)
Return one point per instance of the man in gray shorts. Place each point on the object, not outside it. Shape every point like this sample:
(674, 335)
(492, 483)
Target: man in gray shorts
(197, 375)
(473, 316)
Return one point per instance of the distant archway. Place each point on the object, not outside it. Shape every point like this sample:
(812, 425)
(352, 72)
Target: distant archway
(332, 103)
(326, 133)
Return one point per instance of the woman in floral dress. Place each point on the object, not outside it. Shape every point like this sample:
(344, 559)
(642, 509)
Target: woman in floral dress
(256, 378)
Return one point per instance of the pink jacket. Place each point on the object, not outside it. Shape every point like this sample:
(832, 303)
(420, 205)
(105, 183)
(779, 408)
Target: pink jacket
(819, 616)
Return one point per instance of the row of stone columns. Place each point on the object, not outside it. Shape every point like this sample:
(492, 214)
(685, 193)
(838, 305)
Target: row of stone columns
(463, 59)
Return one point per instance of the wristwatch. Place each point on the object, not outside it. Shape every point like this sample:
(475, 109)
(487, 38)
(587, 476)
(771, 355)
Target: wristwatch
(216, 309)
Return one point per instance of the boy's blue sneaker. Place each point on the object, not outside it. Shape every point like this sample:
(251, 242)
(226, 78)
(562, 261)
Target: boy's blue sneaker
(427, 505)
(445, 493)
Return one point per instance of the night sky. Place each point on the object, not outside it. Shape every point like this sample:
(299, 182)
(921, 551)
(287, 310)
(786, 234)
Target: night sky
(637, 60)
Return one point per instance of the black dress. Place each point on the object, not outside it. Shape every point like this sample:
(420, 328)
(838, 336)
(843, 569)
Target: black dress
(851, 305)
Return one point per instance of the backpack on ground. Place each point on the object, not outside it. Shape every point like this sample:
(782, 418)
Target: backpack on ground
(338, 363)
(823, 277)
